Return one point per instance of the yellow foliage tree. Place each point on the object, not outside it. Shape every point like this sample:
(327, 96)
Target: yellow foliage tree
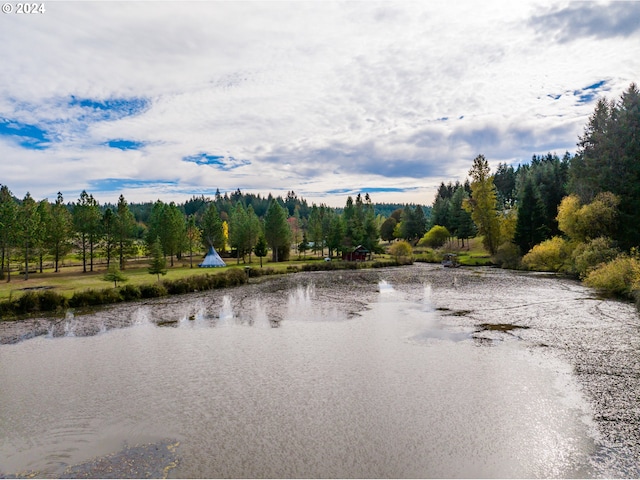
(552, 255)
(401, 249)
(225, 234)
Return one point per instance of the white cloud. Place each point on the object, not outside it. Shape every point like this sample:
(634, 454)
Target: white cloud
(350, 94)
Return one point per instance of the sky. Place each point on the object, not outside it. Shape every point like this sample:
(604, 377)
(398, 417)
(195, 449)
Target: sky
(166, 100)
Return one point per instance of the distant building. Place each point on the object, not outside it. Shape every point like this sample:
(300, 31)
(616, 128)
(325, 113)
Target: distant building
(358, 254)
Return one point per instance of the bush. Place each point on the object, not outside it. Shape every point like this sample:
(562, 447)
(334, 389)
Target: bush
(86, 298)
(152, 291)
(177, 287)
(588, 256)
(130, 292)
(7, 308)
(28, 302)
(508, 256)
(235, 276)
(620, 276)
(552, 255)
(51, 301)
(436, 237)
(401, 249)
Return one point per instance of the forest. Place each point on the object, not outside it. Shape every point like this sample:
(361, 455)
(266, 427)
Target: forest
(578, 215)
(237, 225)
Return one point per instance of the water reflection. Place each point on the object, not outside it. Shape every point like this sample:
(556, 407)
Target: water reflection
(400, 387)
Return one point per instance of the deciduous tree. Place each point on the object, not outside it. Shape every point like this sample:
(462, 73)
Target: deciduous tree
(483, 204)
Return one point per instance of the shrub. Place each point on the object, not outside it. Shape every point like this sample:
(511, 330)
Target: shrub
(588, 256)
(28, 302)
(153, 291)
(401, 249)
(436, 237)
(7, 308)
(111, 295)
(130, 292)
(50, 301)
(552, 255)
(86, 298)
(235, 276)
(508, 256)
(177, 287)
(620, 276)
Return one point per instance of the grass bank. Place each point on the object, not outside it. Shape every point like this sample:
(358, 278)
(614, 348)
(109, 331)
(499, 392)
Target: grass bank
(54, 293)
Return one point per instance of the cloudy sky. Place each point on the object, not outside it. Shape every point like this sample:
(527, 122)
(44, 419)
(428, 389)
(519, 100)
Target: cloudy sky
(161, 99)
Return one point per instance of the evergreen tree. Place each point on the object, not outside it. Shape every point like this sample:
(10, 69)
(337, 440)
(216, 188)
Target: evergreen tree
(314, 228)
(530, 225)
(212, 233)
(239, 231)
(40, 244)
(58, 231)
(114, 275)
(173, 231)
(193, 235)
(108, 226)
(261, 248)
(505, 182)
(8, 228)
(607, 161)
(158, 262)
(461, 223)
(276, 229)
(336, 234)
(81, 225)
(124, 230)
(304, 245)
(254, 227)
(371, 231)
(28, 220)
(440, 212)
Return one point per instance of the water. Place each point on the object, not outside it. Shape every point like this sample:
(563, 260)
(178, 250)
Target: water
(396, 373)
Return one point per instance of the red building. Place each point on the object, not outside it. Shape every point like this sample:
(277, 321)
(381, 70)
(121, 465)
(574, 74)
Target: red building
(359, 254)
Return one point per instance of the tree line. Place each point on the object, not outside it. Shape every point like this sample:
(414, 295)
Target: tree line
(240, 224)
(578, 214)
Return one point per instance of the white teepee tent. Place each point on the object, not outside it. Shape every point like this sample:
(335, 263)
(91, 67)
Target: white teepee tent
(212, 259)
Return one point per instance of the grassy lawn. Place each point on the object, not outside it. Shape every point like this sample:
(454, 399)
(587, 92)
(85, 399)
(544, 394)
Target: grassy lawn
(71, 278)
(472, 254)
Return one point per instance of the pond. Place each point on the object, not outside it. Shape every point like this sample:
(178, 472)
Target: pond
(406, 372)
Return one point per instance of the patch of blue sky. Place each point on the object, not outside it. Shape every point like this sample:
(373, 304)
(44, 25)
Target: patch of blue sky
(205, 159)
(220, 161)
(122, 144)
(112, 108)
(588, 94)
(117, 184)
(339, 191)
(386, 189)
(25, 135)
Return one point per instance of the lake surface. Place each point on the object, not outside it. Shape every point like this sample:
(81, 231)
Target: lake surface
(410, 372)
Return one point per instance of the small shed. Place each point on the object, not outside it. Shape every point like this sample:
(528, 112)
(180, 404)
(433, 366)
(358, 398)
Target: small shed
(358, 254)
